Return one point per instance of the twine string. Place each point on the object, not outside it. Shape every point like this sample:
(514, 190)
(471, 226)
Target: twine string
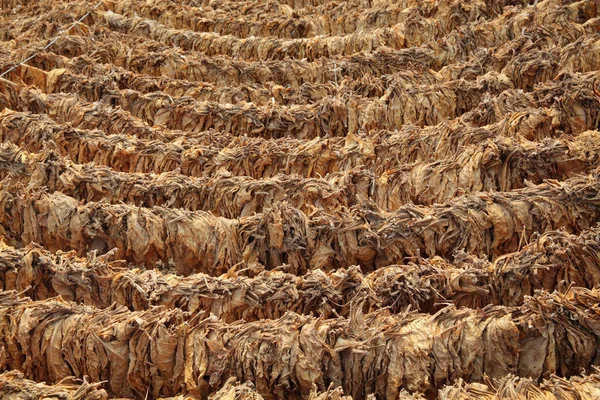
(62, 32)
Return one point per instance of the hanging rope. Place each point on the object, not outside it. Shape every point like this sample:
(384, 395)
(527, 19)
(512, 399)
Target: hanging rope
(52, 41)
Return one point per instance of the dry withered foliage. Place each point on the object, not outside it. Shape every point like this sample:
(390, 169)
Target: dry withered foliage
(483, 224)
(502, 166)
(98, 282)
(511, 387)
(159, 352)
(337, 115)
(299, 199)
(14, 386)
(224, 195)
(233, 390)
(555, 261)
(322, 19)
(489, 147)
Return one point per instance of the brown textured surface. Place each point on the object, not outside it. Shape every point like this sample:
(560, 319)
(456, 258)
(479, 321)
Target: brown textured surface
(299, 199)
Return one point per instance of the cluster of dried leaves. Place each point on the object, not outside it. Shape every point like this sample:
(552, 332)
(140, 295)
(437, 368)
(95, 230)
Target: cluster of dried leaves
(161, 351)
(300, 199)
(487, 225)
(14, 387)
(426, 285)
